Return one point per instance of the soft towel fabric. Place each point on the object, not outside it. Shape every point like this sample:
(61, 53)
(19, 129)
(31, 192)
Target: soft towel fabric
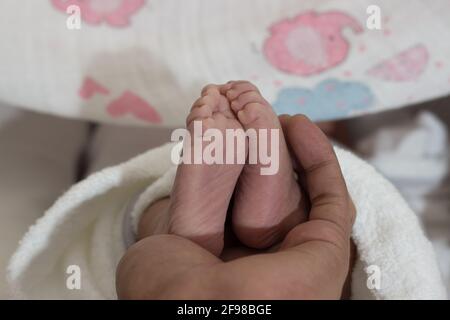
(413, 154)
(37, 164)
(85, 228)
(143, 62)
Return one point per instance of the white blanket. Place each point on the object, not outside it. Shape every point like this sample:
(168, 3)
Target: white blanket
(85, 228)
(413, 153)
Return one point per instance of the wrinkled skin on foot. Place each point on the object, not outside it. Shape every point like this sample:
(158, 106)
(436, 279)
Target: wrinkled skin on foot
(312, 261)
(264, 207)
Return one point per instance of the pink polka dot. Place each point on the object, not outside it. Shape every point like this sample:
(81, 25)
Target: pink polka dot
(277, 83)
(439, 64)
(347, 74)
(330, 87)
(362, 48)
(340, 104)
(301, 101)
(387, 32)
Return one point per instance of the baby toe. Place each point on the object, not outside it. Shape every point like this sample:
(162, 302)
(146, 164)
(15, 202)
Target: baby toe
(198, 114)
(246, 98)
(239, 87)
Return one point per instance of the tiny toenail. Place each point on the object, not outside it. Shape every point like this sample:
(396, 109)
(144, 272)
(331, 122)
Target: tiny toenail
(240, 114)
(230, 93)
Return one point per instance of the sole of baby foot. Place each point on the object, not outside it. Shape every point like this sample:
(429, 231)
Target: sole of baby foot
(201, 193)
(267, 203)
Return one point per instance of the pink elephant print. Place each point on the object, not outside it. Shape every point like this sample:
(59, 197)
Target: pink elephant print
(116, 13)
(310, 43)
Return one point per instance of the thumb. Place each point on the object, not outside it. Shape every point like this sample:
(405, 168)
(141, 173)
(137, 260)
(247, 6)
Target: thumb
(330, 201)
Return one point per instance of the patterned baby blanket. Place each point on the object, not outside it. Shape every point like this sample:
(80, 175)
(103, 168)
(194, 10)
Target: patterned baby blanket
(143, 62)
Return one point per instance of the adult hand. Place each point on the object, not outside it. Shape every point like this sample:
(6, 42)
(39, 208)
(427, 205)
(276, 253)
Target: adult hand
(312, 262)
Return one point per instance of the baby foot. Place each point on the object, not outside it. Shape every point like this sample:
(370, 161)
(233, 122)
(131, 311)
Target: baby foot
(202, 192)
(265, 206)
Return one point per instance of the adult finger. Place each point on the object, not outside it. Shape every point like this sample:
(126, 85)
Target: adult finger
(330, 201)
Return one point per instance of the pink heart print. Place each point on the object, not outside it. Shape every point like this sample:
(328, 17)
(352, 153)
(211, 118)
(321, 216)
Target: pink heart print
(129, 103)
(310, 43)
(117, 13)
(91, 87)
